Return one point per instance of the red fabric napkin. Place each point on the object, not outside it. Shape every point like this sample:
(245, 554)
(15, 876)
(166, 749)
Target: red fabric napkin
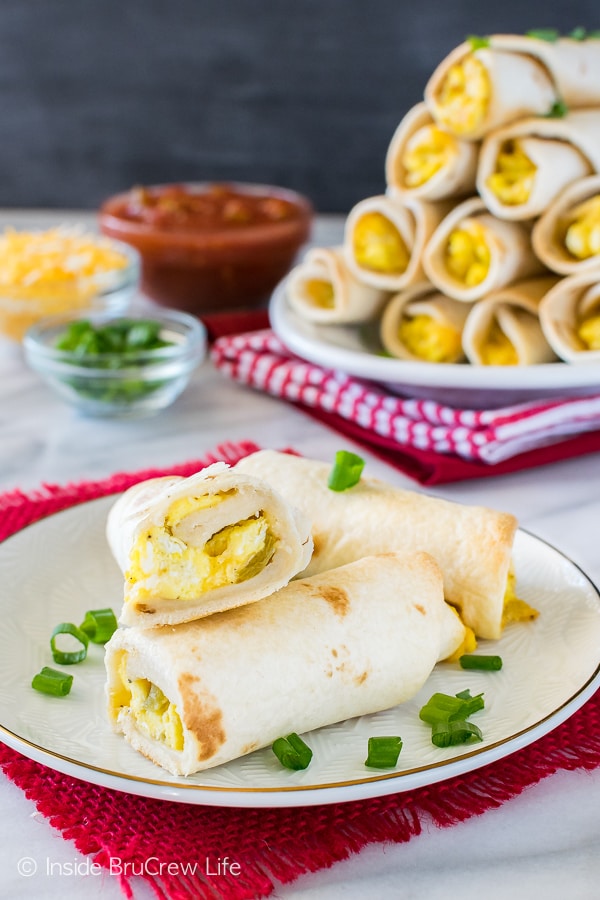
(430, 442)
(176, 847)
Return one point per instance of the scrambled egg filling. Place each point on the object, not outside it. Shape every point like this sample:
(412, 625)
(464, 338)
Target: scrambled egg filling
(515, 609)
(498, 349)
(232, 555)
(430, 339)
(153, 713)
(430, 151)
(513, 180)
(379, 246)
(582, 237)
(464, 96)
(319, 292)
(588, 332)
(468, 254)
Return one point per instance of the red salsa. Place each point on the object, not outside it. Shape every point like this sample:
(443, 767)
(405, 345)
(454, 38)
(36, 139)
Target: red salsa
(214, 207)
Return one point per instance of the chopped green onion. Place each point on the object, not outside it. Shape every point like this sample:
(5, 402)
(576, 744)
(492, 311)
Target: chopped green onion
(52, 682)
(346, 471)
(558, 110)
(444, 708)
(594, 34)
(69, 657)
(489, 663)
(292, 752)
(476, 42)
(451, 733)
(544, 34)
(383, 752)
(99, 625)
(578, 34)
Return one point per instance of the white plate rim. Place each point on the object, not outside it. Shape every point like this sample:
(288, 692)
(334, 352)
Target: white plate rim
(303, 795)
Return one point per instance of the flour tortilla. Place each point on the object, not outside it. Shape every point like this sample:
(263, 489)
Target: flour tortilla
(147, 602)
(345, 643)
(515, 309)
(527, 77)
(416, 221)
(471, 544)
(511, 255)
(353, 300)
(564, 150)
(548, 235)
(455, 179)
(423, 299)
(561, 310)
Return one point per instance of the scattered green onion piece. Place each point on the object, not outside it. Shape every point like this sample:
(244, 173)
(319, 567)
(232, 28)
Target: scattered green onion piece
(69, 657)
(346, 471)
(450, 734)
(594, 34)
(484, 662)
(544, 34)
(476, 42)
(99, 625)
(383, 752)
(558, 110)
(52, 682)
(578, 34)
(444, 708)
(292, 752)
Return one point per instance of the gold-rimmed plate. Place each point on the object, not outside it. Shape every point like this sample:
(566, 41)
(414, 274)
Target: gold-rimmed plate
(56, 569)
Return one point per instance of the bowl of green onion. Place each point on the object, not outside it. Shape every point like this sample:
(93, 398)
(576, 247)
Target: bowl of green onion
(125, 367)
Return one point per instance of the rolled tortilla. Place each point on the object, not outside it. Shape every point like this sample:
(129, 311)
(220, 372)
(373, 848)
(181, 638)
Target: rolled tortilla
(471, 544)
(384, 239)
(321, 288)
(190, 547)
(472, 253)
(566, 237)
(345, 643)
(524, 166)
(570, 317)
(421, 325)
(508, 77)
(504, 328)
(427, 162)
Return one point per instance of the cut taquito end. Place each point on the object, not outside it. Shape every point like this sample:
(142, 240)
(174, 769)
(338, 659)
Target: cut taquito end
(570, 317)
(425, 161)
(345, 643)
(471, 544)
(190, 547)
(384, 239)
(524, 166)
(566, 237)
(420, 324)
(472, 253)
(321, 288)
(504, 328)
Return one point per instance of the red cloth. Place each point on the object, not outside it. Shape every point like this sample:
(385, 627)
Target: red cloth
(554, 430)
(121, 831)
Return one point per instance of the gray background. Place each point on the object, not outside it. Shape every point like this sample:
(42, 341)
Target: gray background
(98, 96)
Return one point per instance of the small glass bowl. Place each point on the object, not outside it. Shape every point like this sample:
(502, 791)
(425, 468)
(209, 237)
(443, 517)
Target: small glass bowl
(110, 291)
(104, 385)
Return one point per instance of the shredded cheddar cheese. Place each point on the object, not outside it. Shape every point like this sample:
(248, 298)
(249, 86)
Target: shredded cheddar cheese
(53, 271)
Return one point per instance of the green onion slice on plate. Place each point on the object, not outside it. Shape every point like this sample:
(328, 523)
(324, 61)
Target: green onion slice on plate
(52, 682)
(292, 752)
(383, 752)
(99, 625)
(448, 734)
(487, 663)
(69, 657)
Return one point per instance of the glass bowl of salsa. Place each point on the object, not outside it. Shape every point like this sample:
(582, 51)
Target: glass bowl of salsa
(209, 247)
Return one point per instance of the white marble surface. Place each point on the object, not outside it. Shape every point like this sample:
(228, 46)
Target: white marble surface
(546, 841)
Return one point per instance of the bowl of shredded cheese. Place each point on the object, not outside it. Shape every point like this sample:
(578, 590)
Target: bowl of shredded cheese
(62, 270)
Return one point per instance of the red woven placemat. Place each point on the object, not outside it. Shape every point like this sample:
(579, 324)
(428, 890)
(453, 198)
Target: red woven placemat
(179, 848)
